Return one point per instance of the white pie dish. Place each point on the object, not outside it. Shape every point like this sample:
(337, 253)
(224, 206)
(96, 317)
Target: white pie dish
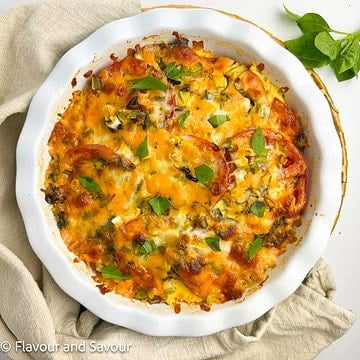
(230, 37)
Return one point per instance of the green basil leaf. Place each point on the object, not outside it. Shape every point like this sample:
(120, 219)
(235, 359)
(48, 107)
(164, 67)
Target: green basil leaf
(348, 56)
(145, 248)
(89, 183)
(112, 272)
(291, 15)
(356, 67)
(258, 208)
(304, 49)
(217, 120)
(346, 75)
(258, 142)
(173, 72)
(312, 22)
(213, 242)
(327, 45)
(142, 150)
(204, 173)
(148, 83)
(160, 205)
(183, 117)
(255, 246)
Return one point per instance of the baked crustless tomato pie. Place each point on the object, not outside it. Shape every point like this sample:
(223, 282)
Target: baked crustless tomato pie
(177, 175)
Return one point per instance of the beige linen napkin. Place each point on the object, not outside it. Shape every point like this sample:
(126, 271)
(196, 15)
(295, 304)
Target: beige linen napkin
(34, 310)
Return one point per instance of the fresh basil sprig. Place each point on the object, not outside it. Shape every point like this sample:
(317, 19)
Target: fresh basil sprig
(316, 47)
(112, 272)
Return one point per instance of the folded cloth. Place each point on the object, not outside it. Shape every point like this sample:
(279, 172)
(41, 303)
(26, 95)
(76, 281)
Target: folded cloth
(35, 310)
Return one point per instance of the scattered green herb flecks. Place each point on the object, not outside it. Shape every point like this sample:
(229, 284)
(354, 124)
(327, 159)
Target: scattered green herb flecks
(217, 120)
(145, 248)
(258, 142)
(149, 83)
(316, 47)
(143, 150)
(89, 183)
(112, 272)
(258, 208)
(255, 246)
(213, 242)
(61, 219)
(183, 117)
(204, 173)
(141, 293)
(160, 205)
(96, 83)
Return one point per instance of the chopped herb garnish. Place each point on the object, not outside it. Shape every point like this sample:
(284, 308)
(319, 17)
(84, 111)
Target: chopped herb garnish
(183, 117)
(160, 205)
(255, 246)
(204, 173)
(258, 208)
(213, 242)
(145, 248)
(112, 272)
(258, 142)
(88, 132)
(254, 166)
(173, 72)
(89, 183)
(141, 293)
(142, 150)
(61, 220)
(96, 83)
(217, 120)
(149, 83)
(54, 175)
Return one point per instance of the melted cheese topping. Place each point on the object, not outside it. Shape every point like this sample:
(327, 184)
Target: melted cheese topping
(161, 190)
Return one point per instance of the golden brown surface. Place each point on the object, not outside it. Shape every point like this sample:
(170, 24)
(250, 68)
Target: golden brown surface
(213, 238)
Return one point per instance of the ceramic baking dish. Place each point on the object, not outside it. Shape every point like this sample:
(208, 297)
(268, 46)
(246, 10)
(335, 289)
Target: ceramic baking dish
(230, 37)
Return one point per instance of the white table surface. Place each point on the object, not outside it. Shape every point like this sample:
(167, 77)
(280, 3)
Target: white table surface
(343, 250)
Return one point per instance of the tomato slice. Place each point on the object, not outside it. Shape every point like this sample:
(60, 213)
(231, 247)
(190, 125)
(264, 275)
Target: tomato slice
(293, 204)
(285, 119)
(252, 86)
(276, 179)
(89, 152)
